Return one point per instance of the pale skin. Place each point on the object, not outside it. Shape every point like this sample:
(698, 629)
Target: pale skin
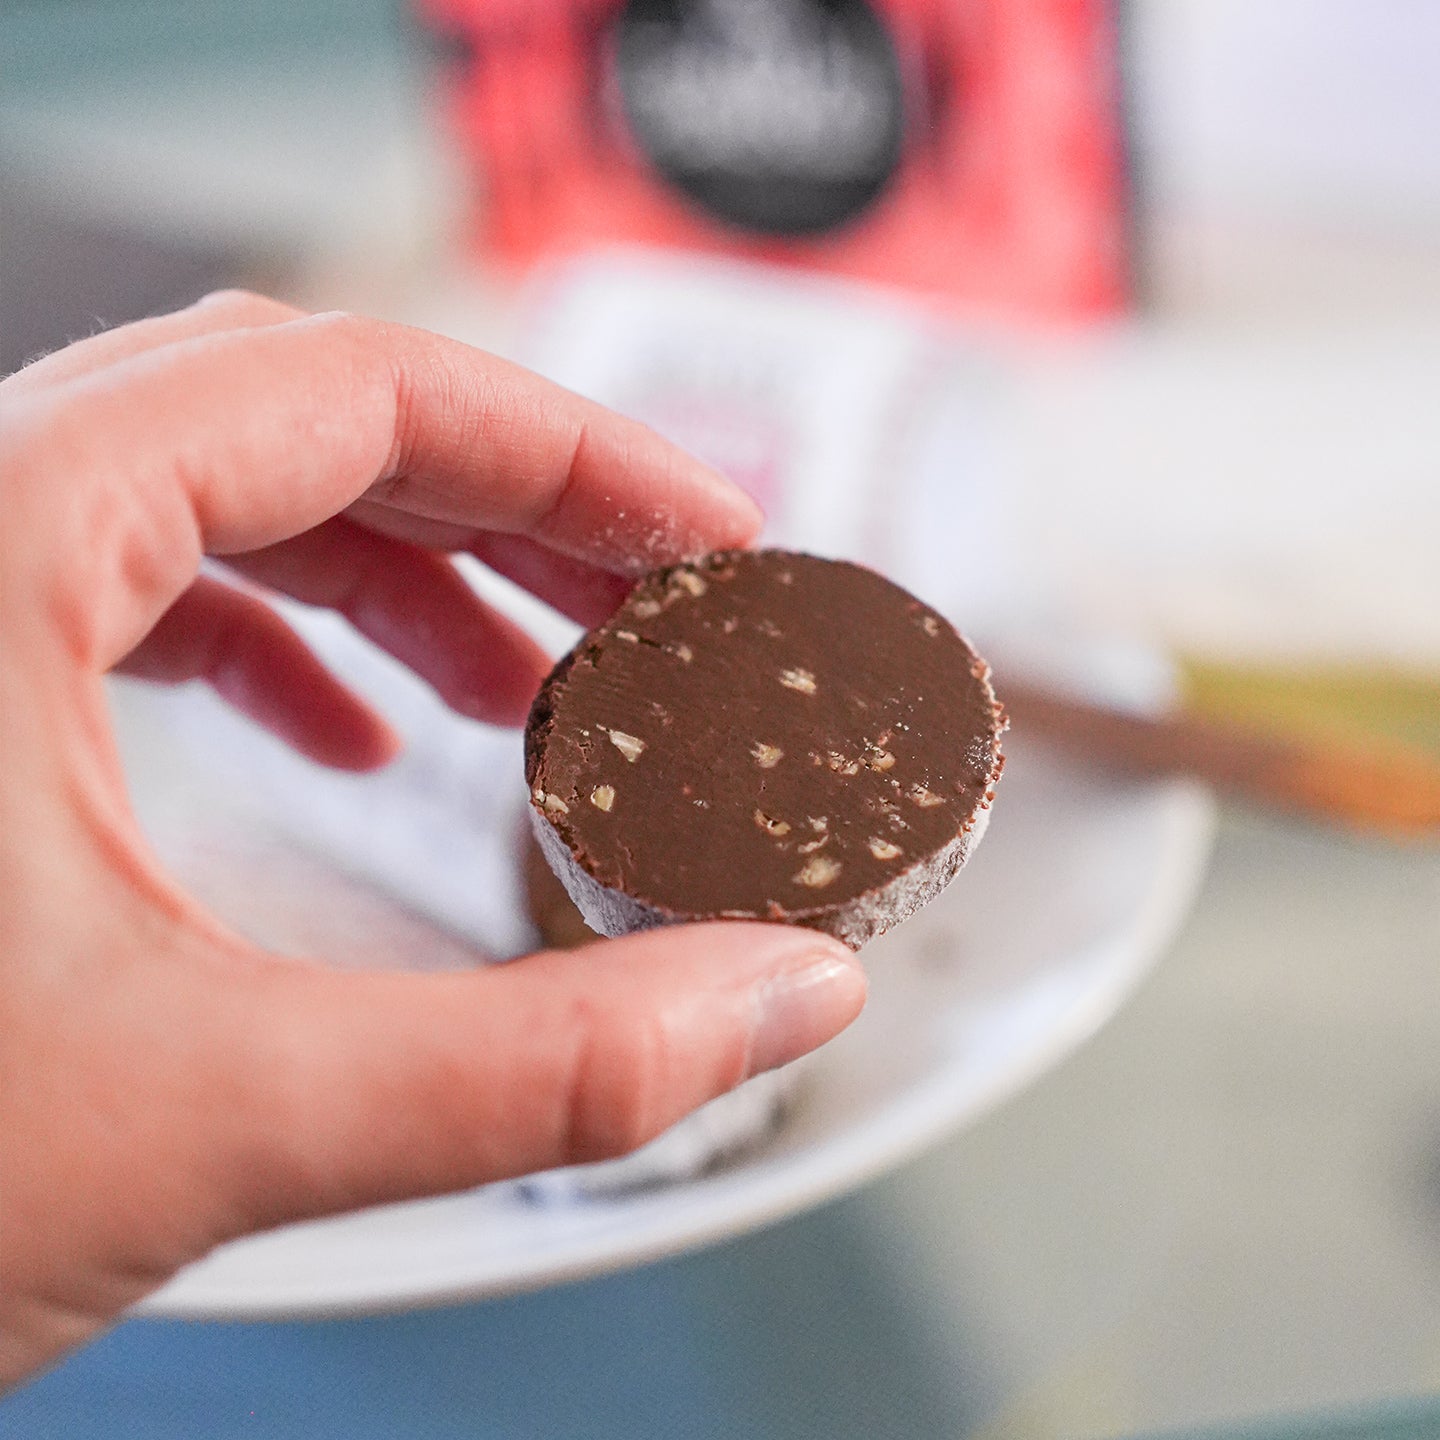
(166, 1085)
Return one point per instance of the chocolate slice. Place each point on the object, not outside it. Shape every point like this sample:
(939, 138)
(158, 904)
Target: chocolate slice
(763, 735)
(558, 924)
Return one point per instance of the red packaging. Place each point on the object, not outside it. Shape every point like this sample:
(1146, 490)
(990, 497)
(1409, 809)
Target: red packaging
(965, 149)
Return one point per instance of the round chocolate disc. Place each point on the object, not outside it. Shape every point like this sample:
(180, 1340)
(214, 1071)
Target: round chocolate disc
(558, 924)
(763, 735)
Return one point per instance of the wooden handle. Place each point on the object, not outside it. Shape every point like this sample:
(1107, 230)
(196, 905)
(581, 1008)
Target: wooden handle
(1382, 787)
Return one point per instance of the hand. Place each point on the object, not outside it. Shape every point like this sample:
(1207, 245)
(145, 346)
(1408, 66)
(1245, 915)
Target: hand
(164, 1084)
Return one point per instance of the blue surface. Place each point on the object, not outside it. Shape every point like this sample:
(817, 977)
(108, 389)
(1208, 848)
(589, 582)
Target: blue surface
(800, 1331)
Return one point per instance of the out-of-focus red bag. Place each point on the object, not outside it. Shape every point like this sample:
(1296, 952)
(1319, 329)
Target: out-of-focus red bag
(966, 149)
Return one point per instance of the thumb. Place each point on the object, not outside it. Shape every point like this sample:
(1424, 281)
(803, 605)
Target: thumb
(378, 1087)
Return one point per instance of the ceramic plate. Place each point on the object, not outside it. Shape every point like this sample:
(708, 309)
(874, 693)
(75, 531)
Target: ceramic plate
(1075, 891)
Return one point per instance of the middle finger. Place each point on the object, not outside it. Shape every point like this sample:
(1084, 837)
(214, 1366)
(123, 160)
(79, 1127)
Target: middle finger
(415, 606)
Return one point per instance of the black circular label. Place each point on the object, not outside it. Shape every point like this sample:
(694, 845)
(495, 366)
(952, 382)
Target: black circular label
(779, 116)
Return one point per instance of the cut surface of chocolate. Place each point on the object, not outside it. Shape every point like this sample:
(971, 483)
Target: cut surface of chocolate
(763, 735)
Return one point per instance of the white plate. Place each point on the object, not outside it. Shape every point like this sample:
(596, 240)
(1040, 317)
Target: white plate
(1076, 889)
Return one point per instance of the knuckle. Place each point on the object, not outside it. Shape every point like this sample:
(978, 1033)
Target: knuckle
(616, 1095)
(226, 295)
(107, 543)
(243, 301)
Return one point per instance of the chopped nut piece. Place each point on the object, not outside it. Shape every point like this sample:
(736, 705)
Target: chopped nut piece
(929, 624)
(810, 845)
(924, 798)
(602, 797)
(819, 871)
(768, 822)
(770, 630)
(689, 580)
(682, 651)
(628, 636)
(877, 759)
(838, 763)
(883, 849)
(767, 757)
(646, 609)
(730, 626)
(630, 746)
(554, 805)
(801, 680)
(819, 822)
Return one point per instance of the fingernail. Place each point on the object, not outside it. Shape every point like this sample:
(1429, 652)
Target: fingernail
(804, 1007)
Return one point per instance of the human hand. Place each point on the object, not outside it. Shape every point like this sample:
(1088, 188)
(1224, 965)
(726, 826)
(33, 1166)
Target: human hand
(165, 1085)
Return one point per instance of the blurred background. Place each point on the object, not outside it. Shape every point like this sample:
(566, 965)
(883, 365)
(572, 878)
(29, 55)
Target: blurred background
(1161, 282)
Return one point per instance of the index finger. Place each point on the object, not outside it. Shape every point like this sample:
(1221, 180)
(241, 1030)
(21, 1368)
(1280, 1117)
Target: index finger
(270, 431)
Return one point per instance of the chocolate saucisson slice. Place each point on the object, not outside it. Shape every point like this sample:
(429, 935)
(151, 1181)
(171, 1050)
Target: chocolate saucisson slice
(763, 735)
